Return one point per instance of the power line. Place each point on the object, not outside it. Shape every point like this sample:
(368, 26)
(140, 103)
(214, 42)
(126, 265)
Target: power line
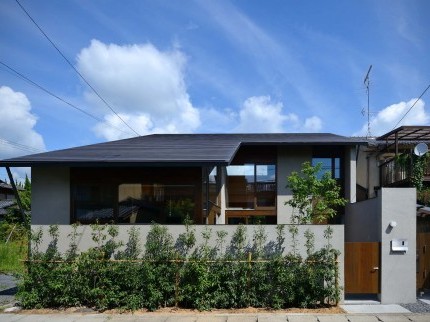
(20, 75)
(412, 106)
(73, 67)
(20, 146)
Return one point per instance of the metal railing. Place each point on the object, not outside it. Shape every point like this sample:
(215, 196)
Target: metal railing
(393, 171)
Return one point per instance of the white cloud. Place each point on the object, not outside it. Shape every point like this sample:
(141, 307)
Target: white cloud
(260, 114)
(144, 85)
(387, 118)
(313, 124)
(17, 133)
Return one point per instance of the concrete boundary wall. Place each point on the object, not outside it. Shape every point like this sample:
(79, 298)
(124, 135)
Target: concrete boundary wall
(85, 241)
(369, 221)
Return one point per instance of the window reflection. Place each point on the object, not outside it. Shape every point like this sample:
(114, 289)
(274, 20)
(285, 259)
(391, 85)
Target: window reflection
(331, 165)
(139, 203)
(251, 186)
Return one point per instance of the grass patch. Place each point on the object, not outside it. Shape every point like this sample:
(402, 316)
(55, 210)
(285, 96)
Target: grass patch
(11, 256)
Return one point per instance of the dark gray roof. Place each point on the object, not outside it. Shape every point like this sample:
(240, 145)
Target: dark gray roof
(186, 149)
(4, 204)
(5, 185)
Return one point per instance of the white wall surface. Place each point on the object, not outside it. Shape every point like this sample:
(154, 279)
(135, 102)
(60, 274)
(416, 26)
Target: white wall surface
(350, 174)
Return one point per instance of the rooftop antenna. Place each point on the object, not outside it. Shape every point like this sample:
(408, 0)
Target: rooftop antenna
(367, 84)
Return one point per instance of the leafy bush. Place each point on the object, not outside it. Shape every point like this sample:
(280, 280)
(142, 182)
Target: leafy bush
(179, 273)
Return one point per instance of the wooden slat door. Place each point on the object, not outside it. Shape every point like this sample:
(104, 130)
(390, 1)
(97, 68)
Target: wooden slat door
(362, 266)
(423, 261)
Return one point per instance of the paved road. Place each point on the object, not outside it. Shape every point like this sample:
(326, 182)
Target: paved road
(215, 318)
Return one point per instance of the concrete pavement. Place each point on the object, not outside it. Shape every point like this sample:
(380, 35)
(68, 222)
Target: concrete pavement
(207, 317)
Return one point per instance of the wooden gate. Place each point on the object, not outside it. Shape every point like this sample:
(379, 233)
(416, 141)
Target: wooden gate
(423, 261)
(362, 263)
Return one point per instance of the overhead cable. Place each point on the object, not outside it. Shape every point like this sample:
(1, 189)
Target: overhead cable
(20, 75)
(411, 107)
(20, 146)
(74, 68)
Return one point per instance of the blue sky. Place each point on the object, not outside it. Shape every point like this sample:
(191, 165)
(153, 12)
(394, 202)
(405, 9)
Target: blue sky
(208, 66)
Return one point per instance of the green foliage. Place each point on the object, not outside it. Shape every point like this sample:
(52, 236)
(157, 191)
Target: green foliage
(423, 196)
(315, 199)
(419, 165)
(11, 256)
(201, 276)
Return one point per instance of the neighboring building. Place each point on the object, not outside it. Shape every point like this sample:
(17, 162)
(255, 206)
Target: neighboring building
(219, 179)
(6, 191)
(387, 162)
(7, 198)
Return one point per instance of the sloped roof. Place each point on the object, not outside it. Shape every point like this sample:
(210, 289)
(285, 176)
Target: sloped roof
(4, 204)
(408, 133)
(187, 149)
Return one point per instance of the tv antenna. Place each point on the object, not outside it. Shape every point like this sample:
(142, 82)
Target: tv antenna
(367, 84)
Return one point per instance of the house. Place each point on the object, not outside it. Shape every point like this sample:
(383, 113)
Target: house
(7, 198)
(222, 180)
(388, 161)
(6, 191)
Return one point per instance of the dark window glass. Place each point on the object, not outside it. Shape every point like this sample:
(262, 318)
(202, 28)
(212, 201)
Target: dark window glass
(331, 165)
(140, 203)
(266, 185)
(94, 203)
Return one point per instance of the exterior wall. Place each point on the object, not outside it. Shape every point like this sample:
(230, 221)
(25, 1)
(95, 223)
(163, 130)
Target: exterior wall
(50, 193)
(368, 171)
(350, 174)
(398, 274)
(289, 159)
(363, 221)
(85, 241)
(369, 221)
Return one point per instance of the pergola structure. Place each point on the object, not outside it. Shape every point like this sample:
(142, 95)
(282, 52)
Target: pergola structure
(410, 134)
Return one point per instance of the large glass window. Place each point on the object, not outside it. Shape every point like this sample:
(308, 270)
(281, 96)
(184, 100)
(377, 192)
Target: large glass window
(133, 203)
(140, 203)
(240, 185)
(250, 186)
(331, 165)
(93, 202)
(265, 187)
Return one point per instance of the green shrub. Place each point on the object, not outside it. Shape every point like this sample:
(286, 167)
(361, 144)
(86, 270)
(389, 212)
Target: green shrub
(179, 274)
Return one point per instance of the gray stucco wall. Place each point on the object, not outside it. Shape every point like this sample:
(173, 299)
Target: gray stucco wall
(50, 194)
(398, 273)
(289, 159)
(369, 221)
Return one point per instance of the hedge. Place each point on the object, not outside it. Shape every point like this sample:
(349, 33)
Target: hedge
(179, 273)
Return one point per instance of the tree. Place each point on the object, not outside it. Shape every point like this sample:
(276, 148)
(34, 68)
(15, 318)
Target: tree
(25, 195)
(315, 199)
